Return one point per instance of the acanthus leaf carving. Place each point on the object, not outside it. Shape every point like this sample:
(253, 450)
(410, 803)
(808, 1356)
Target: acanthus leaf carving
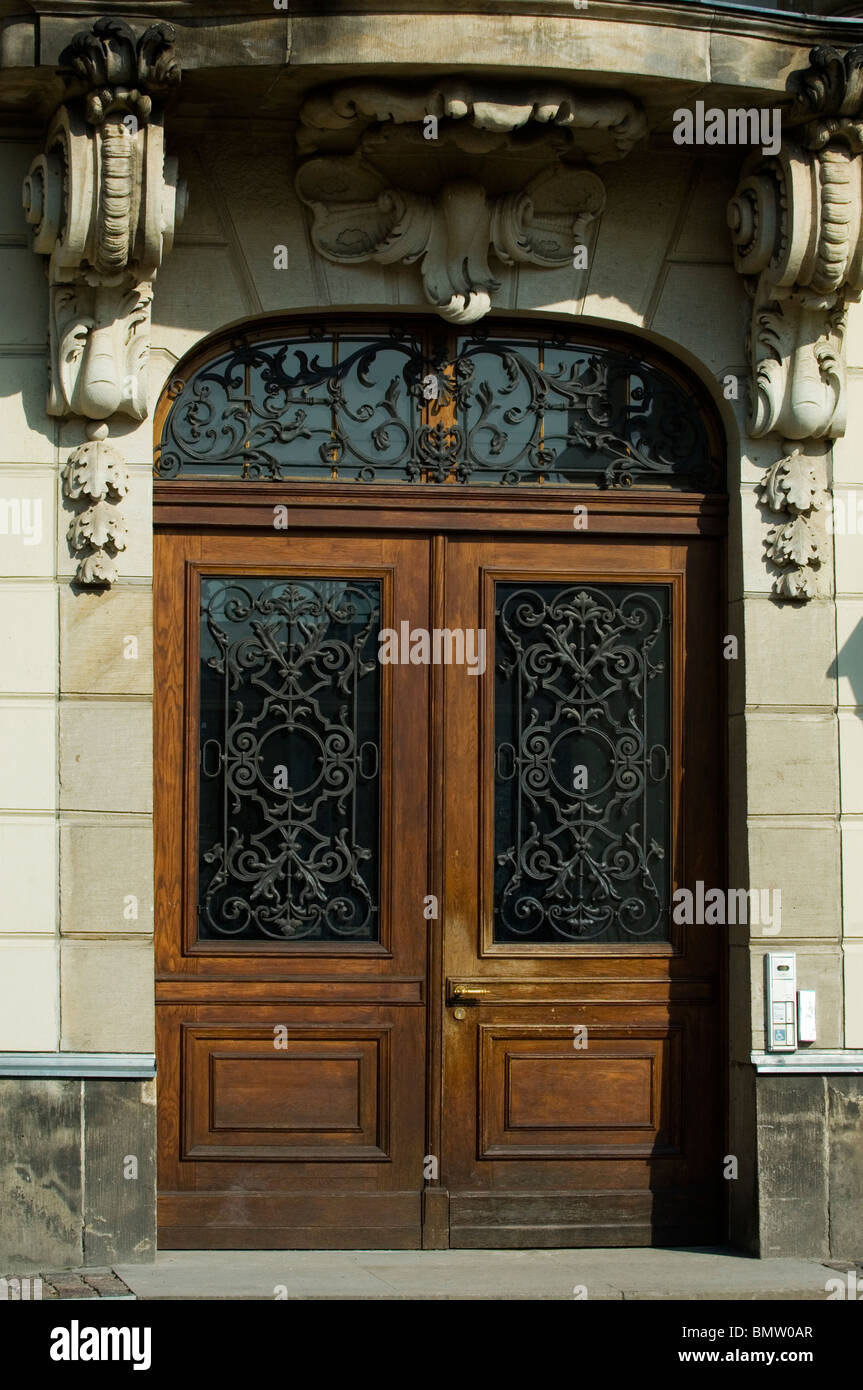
(793, 546)
(114, 71)
(95, 473)
(96, 470)
(99, 526)
(790, 486)
(828, 98)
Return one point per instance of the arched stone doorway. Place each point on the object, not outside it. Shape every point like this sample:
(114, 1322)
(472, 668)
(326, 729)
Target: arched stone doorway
(439, 734)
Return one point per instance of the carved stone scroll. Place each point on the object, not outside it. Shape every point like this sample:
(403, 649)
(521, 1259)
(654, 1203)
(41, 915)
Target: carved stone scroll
(797, 232)
(796, 223)
(102, 203)
(358, 217)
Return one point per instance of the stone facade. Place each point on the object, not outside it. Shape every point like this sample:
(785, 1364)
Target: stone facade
(76, 694)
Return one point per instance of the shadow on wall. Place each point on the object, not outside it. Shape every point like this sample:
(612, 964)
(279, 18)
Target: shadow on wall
(848, 664)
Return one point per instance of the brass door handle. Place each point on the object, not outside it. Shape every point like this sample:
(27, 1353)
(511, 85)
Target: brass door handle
(459, 993)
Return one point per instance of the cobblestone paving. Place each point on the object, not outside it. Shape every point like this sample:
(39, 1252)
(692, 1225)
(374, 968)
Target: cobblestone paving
(90, 1283)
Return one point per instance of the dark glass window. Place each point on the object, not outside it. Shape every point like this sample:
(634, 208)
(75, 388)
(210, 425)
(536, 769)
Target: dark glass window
(289, 759)
(582, 763)
(427, 407)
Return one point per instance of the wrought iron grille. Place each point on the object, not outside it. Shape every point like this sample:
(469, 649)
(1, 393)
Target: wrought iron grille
(582, 763)
(289, 792)
(387, 406)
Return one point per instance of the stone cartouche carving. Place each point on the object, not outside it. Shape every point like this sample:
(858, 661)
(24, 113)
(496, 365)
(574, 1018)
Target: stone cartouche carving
(103, 202)
(359, 217)
(445, 176)
(796, 223)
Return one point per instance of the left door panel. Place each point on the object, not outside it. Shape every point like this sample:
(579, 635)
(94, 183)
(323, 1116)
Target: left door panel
(291, 775)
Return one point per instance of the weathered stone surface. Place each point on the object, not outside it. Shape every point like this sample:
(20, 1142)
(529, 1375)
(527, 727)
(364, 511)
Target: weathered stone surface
(846, 451)
(16, 160)
(791, 763)
(71, 1286)
(106, 878)
(845, 1134)
(106, 996)
(22, 305)
(847, 669)
(848, 545)
(201, 288)
(792, 1168)
(643, 202)
(119, 1140)
(704, 234)
(40, 1174)
(106, 756)
(106, 641)
(772, 631)
(850, 761)
(107, 1285)
(714, 338)
(800, 857)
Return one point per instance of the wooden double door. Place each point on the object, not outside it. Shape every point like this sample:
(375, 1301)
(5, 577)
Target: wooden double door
(422, 806)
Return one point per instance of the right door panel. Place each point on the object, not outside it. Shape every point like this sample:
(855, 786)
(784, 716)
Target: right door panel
(584, 785)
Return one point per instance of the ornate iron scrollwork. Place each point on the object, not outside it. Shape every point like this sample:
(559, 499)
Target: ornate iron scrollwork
(404, 408)
(289, 759)
(582, 785)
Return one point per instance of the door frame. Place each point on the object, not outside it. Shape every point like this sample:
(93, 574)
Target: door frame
(436, 511)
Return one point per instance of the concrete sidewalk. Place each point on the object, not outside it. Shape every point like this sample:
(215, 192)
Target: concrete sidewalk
(475, 1274)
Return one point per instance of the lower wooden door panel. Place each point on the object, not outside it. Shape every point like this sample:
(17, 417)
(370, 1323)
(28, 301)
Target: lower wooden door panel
(343, 1220)
(615, 1136)
(283, 1130)
(522, 1220)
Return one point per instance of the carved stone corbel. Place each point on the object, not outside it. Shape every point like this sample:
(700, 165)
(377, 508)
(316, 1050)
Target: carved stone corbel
(796, 223)
(500, 171)
(358, 216)
(103, 202)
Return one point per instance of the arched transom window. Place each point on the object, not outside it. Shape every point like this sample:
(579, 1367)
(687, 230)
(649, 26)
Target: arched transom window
(368, 402)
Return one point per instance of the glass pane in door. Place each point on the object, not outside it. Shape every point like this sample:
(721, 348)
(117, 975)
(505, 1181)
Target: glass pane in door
(289, 766)
(582, 804)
